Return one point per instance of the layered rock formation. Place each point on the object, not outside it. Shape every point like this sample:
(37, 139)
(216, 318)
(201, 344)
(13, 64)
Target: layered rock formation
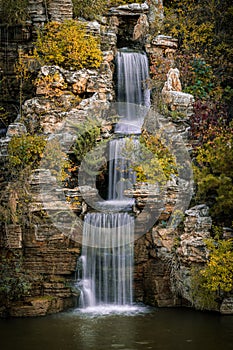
(165, 257)
(54, 10)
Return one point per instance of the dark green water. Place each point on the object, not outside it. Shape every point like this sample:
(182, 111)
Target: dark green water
(162, 329)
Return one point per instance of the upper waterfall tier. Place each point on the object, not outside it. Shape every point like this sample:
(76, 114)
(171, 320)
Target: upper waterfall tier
(132, 74)
(132, 77)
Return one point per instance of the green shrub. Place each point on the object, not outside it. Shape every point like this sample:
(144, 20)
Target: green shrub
(56, 160)
(202, 80)
(87, 135)
(151, 159)
(25, 153)
(68, 45)
(25, 150)
(86, 147)
(89, 9)
(14, 11)
(214, 175)
(15, 283)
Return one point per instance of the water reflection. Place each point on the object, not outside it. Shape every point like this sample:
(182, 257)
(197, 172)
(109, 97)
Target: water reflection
(165, 329)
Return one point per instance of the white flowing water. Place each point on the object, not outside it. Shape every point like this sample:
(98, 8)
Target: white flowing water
(121, 175)
(132, 76)
(107, 259)
(108, 238)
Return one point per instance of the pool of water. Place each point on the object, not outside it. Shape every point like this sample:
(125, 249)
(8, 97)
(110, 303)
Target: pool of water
(132, 328)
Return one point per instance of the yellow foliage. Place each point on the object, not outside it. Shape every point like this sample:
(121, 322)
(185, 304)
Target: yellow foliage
(25, 150)
(211, 283)
(183, 20)
(201, 297)
(218, 273)
(51, 84)
(68, 45)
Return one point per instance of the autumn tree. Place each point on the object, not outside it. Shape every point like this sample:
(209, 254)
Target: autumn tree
(204, 29)
(214, 175)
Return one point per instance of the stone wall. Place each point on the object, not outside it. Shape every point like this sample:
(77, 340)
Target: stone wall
(164, 259)
(52, 10)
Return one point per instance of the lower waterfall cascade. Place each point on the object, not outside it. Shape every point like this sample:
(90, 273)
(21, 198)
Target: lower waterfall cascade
(107, 258)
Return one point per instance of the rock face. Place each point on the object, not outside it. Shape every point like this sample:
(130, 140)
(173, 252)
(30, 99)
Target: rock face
(163, 269)
(161, 47)
(197, 227)
(13, 238)
(179, 102)
(16, 129)
(39, 306)
(47, 257)
(60, 10)
(227, 306)
(130, 9)
(59, 94)
(38, 12)
(191, 250)
(53, 10)
(141, 28)
(152, 274)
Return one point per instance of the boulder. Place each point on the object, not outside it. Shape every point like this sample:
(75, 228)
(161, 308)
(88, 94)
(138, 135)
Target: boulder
(226, 307)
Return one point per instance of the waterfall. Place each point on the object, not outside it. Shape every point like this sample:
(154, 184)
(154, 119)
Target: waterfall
(108, 238)
(107, 259)
(132, 90)
(132, 78)
(121, 175)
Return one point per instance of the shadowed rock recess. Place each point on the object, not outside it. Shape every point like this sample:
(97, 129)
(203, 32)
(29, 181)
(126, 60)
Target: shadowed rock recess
(165, 254)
